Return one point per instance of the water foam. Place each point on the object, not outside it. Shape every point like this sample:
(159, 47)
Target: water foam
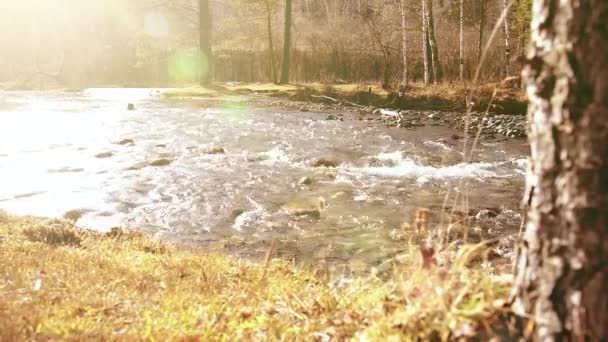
(407, 167)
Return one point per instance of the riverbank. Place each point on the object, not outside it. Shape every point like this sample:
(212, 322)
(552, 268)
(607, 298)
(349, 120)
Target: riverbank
(59, 281)
(496, 112)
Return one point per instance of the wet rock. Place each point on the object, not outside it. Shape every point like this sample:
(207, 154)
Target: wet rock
(325, 163)
(456, 137)
(125, 142)
(130, 106)
(137, 166)
(161, 162)
(311, 207)
(306, 181)
(104, 155)
(74, 215)
(374, 162)
(304, 109)
(161, 145)
(215, 150)
(330, 117)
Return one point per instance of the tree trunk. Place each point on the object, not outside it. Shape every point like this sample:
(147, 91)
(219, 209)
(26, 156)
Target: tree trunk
(425, 43)
(405, 77)
(461, 19)
(270, 45)
(562, 269)
(482, 24)
(286, 44)
(206, 68)
(507, 38)
(436, 69)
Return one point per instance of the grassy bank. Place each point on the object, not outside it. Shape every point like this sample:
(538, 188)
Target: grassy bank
(447, 96)
(57, 282)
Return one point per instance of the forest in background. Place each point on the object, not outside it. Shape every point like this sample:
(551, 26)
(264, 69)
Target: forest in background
(143, 43)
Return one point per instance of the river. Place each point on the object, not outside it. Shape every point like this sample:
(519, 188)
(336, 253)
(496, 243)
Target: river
(151, 169)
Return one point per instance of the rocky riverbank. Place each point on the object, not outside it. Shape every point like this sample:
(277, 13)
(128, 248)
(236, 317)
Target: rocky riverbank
(493, 126)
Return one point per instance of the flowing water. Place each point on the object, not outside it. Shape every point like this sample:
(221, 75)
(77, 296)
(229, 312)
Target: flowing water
(68, 151)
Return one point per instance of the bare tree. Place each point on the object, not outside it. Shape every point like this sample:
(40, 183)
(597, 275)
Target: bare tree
(405, 76)
(286, 44)
(562, 272)
(507, 38)
(205, 42)
(461, 22)
(425, 43)
(270, 44)
(482, 24)
(437, 71)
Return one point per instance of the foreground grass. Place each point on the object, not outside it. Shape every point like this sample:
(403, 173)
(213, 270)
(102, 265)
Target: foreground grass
(445, 96)
(58, 282)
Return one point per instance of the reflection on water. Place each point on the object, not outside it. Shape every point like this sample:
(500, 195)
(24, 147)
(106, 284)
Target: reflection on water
(68, 151)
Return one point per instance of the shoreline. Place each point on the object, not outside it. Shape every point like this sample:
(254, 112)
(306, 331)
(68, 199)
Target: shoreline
(59, 281)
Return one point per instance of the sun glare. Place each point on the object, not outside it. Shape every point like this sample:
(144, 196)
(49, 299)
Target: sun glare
(156, 25)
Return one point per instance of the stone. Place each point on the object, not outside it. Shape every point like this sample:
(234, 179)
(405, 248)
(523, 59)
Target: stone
(125, 142)
(161, 162)
(325, 163)
(104, 155)
(215, 150)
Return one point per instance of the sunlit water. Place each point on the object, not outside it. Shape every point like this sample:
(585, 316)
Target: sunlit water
(237, 201)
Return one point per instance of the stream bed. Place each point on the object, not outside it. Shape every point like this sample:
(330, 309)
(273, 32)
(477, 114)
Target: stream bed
(222, 175)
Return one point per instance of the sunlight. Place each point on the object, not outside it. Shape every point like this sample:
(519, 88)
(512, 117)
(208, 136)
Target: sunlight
(156, 25)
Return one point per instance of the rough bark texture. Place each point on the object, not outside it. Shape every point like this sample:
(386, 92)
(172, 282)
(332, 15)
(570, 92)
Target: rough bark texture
(286, 44)
(405, 77)
(205, 42)
(436, 69)
(425, 44)
(562, 270)
(507, 38)
(461, 34)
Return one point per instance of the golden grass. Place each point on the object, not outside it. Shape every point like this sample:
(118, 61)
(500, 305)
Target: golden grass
(59, 282)
(444, 96)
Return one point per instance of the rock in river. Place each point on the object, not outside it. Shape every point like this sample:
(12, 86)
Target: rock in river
(305, 207)
(325, 163)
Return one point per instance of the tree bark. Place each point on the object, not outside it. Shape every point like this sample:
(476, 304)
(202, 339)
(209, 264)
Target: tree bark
(270, 45)
(562, 268)
(286, 44)
(436, 69)
(206, 68)
(405, 77)
(507, 38)
(461, 59)
(425, 43)
(482, 24)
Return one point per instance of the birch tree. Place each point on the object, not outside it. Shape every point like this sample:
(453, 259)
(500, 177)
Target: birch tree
(405, 76)
(507, 38)
(562, 269)
(425, 43)
(437, 71)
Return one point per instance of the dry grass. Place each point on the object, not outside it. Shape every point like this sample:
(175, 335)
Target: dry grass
(444, 96)
(60, 282)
